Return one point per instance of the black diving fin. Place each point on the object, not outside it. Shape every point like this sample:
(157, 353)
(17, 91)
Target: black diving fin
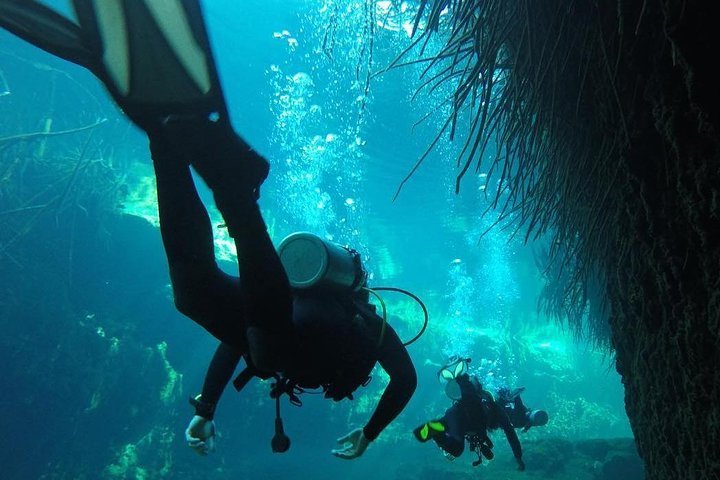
(153, 56)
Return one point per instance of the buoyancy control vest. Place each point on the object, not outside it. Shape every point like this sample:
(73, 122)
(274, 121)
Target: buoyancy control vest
(336, 347)
(338, 344)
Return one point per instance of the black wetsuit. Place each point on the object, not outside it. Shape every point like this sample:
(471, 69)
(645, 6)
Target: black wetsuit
(226, 305)
(475, 413)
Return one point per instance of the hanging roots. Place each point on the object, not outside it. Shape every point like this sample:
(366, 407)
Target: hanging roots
(536, 100)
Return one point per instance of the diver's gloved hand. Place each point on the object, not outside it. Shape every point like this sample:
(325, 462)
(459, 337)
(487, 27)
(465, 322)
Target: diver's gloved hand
(521, 464)
(200, 435)
(353, 444)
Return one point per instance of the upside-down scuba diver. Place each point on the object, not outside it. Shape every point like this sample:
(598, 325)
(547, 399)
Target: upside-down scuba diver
(154, 57)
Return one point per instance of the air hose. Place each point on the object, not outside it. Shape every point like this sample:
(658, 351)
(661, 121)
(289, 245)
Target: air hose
(374, 291)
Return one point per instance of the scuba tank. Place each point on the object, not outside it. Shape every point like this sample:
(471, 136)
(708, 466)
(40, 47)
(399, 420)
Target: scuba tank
(311, 262)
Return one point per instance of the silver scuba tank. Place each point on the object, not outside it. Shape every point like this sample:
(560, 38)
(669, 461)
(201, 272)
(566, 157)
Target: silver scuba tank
(311, 262)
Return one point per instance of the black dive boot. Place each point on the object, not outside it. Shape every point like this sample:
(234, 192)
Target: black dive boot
(230, 166)
(227, 164)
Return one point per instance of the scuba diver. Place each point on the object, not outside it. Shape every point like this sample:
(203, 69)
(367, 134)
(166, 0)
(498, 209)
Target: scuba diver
(474, 413)
(520, 416)
(315, 329)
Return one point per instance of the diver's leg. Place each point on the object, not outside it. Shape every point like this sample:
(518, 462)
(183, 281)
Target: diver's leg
(202, 292)
(234, 174)
(453, 439)
(264, 285)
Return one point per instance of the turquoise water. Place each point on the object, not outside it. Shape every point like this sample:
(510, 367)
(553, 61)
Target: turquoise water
(97, 363)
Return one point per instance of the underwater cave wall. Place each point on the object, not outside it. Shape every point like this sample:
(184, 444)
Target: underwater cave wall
(654, 101)
(639, 86)
(665, 292)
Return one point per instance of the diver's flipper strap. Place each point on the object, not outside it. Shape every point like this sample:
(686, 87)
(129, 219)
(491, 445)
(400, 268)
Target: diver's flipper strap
(44, 28)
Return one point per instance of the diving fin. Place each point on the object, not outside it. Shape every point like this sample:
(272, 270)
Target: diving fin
(155, 59)
(429, 430)
(153, 56)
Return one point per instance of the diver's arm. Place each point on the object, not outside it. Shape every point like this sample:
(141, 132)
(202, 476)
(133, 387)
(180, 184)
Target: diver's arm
(394, 359)
(222, 366)
(510, 434)
(200, 432)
